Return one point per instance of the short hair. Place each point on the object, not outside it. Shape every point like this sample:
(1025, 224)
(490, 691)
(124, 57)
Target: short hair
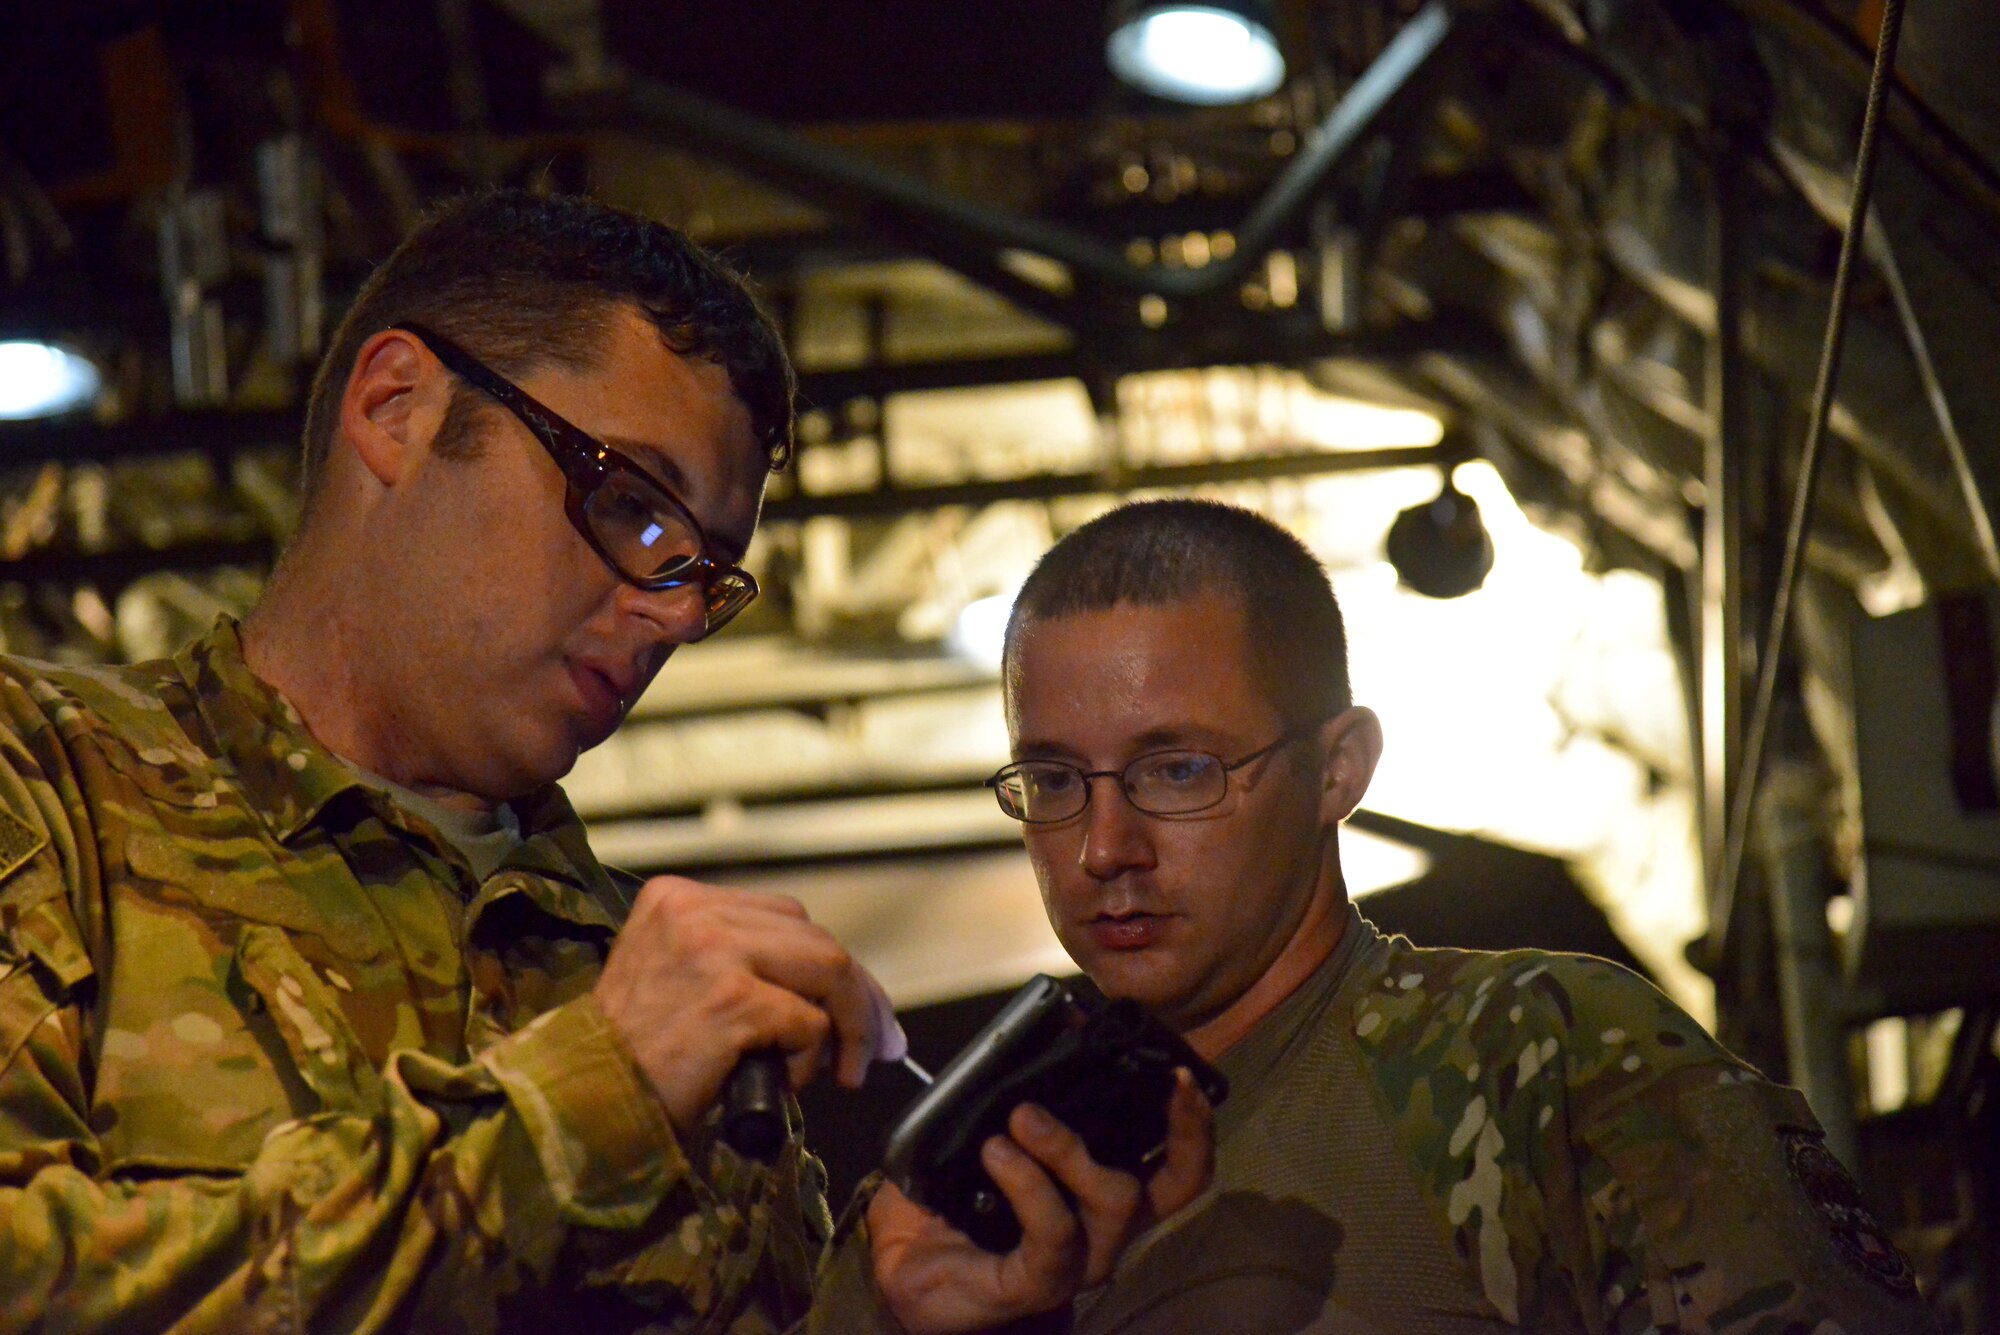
(523, 280)
(1154, 552)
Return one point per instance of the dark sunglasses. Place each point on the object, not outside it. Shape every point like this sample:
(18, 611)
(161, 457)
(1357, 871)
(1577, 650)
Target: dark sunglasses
(639, 528)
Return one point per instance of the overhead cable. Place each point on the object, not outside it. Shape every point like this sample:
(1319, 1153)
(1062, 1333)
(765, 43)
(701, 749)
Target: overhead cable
(1807, 486)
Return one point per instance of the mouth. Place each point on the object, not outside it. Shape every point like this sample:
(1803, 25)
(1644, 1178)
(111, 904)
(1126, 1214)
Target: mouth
(602, 694)
(1120, 932)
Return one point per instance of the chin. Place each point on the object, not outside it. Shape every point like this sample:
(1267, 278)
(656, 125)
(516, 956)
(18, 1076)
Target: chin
(532, 769)
(1147, 982)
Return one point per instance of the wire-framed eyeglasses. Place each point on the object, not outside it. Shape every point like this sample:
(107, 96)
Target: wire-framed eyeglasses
(639, 528)
(1178, 782)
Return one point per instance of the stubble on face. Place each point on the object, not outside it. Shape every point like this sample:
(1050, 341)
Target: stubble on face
(500, 598)
(1224, 905)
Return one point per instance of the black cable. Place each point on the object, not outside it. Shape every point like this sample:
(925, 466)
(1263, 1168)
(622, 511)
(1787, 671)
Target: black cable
(1747, 774)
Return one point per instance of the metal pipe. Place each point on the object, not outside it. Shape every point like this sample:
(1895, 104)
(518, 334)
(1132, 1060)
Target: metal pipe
(1724, 468)
(952, 229)
(1808, 484)
(1808, 986)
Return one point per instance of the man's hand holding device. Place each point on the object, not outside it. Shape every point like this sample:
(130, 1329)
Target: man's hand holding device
(1024, 1209)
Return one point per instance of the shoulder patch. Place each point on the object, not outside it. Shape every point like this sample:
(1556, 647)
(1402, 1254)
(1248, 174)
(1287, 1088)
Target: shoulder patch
(1857, 1235)
(18, 843)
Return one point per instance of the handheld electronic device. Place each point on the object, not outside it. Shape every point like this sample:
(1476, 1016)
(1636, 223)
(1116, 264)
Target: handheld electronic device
(1104, 1069)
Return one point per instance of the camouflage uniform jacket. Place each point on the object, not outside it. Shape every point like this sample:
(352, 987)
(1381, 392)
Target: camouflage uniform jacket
(1430, 1142)
(272, 1059)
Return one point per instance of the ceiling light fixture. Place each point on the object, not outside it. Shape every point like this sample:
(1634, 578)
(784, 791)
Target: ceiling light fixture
(1441, 548)
(1210, 54)
(39, 379)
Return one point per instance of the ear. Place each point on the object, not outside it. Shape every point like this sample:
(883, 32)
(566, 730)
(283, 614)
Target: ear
(1350, 746)
(394, 403)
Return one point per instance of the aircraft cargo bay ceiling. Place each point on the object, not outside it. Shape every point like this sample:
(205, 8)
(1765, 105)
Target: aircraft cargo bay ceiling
(1569, 263)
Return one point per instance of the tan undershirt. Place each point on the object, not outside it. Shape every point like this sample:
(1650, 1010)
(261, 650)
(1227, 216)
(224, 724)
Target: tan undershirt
(1315, 1221)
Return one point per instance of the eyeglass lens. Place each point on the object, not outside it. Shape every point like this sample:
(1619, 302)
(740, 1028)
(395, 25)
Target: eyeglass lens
(648, 539)
(1166, 783)
(644, 537)
(725, 596)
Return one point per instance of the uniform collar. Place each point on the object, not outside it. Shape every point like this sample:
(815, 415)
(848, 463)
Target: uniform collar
(1267, 1046)
(288, 778)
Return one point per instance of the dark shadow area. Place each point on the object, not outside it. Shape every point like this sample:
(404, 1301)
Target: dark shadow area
(1482, 895)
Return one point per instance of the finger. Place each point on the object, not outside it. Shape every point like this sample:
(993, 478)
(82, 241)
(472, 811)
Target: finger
(683, 894)
(761, 905)
(800, 957)
(1049, 1260)
(805, 959)
(857, 1025)
(892, 1044)
(804, 1066)
(769, 1016)
(811, 965)
(1190, 1159)
(1108, 1202)
(692, 913)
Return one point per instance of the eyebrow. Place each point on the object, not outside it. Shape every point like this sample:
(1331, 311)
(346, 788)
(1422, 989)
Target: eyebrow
(654, 461)
(663, 469)
(1175, 737)
(1165, 738)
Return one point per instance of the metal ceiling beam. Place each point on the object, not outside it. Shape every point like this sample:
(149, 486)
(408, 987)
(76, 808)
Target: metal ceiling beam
(970, 236)
(1291, 338)
(1500, 394)
(812, 830)
(72, 441)
(1952, 325)
(1932, 145)
(1882, 440)
(1046, 486)
(1281, 338)
(749, 675)
(109, 572)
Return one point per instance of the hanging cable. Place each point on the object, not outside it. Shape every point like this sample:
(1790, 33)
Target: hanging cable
(1793, 564)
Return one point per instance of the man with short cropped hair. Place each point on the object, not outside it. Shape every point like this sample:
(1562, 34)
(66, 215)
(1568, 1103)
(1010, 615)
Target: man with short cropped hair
(316, 1010)
(1416, 1141)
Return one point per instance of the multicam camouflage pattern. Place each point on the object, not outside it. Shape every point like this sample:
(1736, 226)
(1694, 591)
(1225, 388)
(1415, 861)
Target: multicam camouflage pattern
(1603, 1162)
(1428, 1141)
(271, 1058)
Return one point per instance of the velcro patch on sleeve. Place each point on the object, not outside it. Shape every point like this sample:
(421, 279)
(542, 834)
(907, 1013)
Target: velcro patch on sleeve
(19, 841)
(1857, 1234)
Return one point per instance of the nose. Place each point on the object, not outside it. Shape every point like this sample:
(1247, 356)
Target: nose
(676, 616)
(1117, 836)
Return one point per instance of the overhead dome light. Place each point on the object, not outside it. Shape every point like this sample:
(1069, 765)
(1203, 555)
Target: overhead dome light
(44, 380)
(1208, 54)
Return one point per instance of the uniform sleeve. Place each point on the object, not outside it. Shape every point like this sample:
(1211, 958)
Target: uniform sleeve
(845, 1299)
(534, 1187)
(1712, 1203)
